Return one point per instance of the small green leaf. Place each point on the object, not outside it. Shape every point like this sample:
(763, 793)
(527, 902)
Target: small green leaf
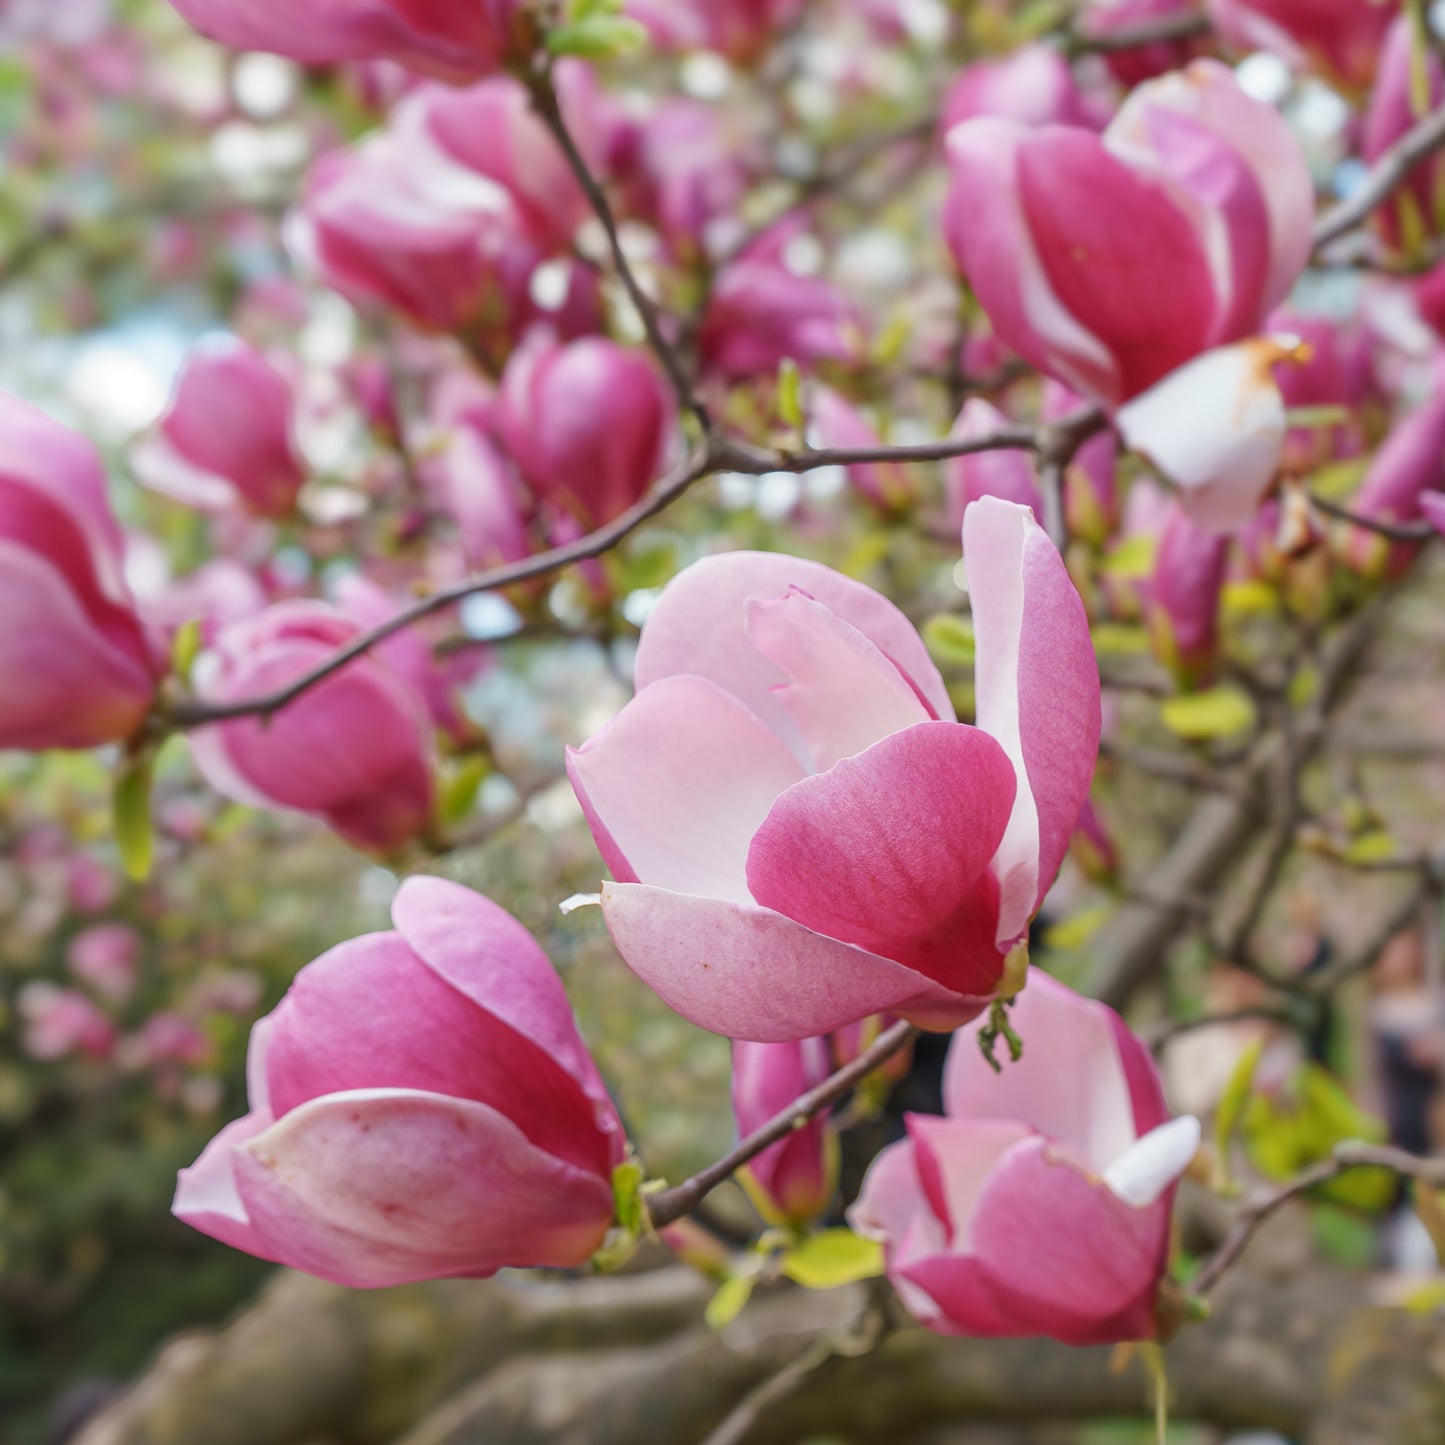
(457, 793)
(185, 649)
(729, 1302)
(1132, 559)
(1221, 712)
(1120, 639)
(1249, 599)
(1074, 932)
(598, 37)
(833, 1258)
(790, 394)
(627, 1180)
(1376, 846)
(132, 816)
(1232, 1103)
(950, 639)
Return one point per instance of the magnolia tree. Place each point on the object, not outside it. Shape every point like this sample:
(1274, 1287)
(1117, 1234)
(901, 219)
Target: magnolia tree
(926, 479)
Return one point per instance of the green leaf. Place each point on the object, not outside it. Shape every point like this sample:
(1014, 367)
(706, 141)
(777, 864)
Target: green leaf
(1221, 712)
(1120, 639)
(1376, 846)
(185, 649)
(1232, 1103)
(1249, 599)
(1073, 933)
(598, 37)
(833, 1258)
(457, 794)
(131, 812)
(950, 639)
(627, 1180)
(729, 1302)
(790, 394)
(1132, 559)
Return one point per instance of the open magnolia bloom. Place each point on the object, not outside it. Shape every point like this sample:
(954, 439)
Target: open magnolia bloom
(801, 832)
(422, 1107)
(1040, 1204)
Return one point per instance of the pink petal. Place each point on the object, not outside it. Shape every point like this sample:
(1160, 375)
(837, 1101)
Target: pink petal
(1038, 694)
(843, 693)
(890, 849)
(1070, 1084)
(1119, 253)
(990, 239)
(954, 1159)
(700, 627)
(379, 1187)
(747, 972)
(1068, 1258)
(207, 1196)
(675, 786)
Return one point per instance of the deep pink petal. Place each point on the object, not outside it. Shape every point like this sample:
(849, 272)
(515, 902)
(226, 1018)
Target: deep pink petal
(1037, 682)
(747, 972)
(1120, 254)
(890, 849)
(700, 627)
(379, 1187)
(675, 786)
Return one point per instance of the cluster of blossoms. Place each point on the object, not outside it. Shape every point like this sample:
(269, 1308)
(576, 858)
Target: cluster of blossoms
(803, 837)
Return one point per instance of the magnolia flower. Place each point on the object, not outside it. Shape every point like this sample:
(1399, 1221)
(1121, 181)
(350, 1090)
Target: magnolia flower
(800, 832)
(76, 668)
(1339, 38)
(1040, 1203)
(422, 1107)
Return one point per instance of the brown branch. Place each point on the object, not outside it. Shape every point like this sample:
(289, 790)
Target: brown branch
(1136, 37)
(672, 1204)
(1393, 531)
(548, 107)
(1388, 172)
(1346, 1157)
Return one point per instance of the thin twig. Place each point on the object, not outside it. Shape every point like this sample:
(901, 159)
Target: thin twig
(1170, 28)
(1393, 531)
(1347, 1156)
(1388, 172)
(672, 1204)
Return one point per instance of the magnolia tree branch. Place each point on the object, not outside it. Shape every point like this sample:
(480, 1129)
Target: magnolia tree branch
(1392, 531)
(1345, 1157)
(672, 1204)
(1388, 172)
(1135, 37)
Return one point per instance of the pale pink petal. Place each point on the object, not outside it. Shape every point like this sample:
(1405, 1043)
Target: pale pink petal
(747, 972)
(1070, 1084)
(700, 627)
(1216, 428)
(675, 786)
(379, 1187)
(1152, 1164)
(207, 1197)
(954, 1159)
(890, 850)
(843, 693)
(1037, 683)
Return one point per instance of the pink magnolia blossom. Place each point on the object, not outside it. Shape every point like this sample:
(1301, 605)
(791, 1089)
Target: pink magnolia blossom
(226, 436)
(1432, 509)
(1110, 261)
(169, 1037)
(1040, 1203)
(589, 424)
(836, 423)
(741, 29)
(1416, 212)
(106, 957)
(422, 1107)
(59, 1022)
(1033, 86)
(1184, 596)
(1409, 465)
(442, 37)
(1007, 473)
(1335, 372)
(761, 313)
(801, 833)
(792, 1181)
(372, 224)
(76, 668)
(355, 750)
(1340, 39)
(1142, 62)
